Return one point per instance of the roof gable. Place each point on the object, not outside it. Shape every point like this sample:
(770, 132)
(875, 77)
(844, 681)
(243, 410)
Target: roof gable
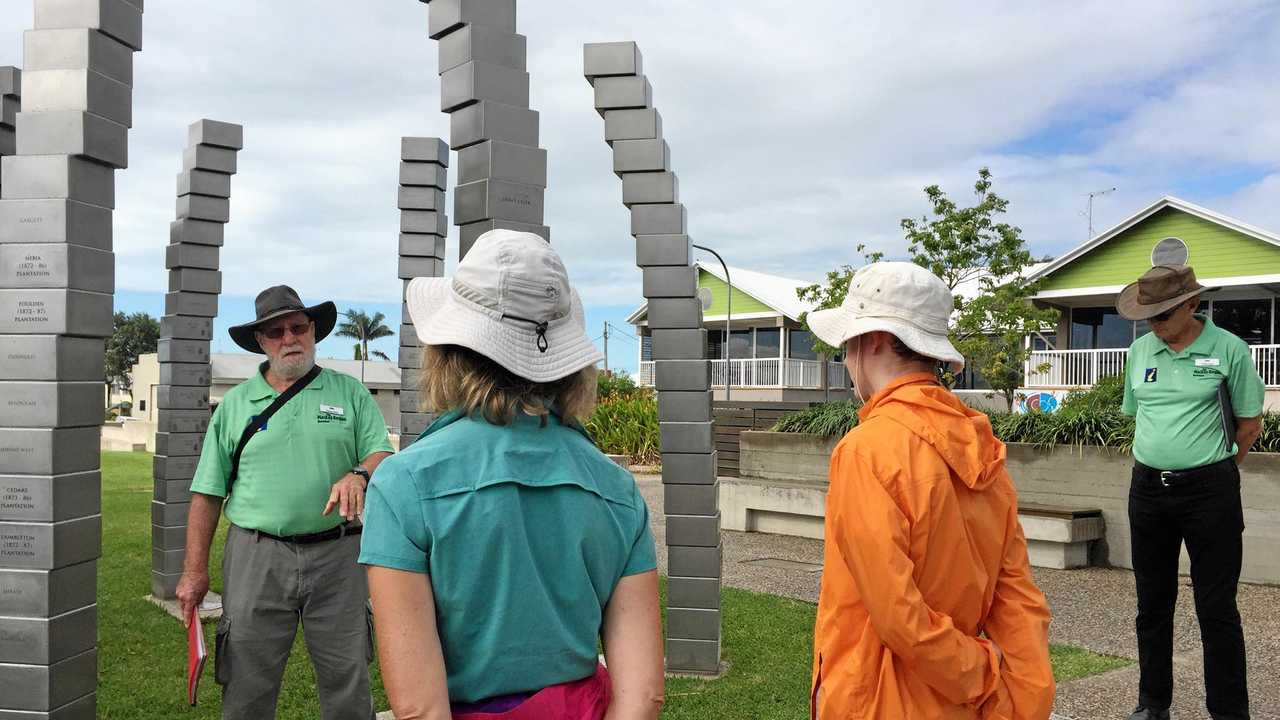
(1219, 247)
(754, 293)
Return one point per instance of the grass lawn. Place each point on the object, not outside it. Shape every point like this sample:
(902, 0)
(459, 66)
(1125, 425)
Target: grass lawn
(142, 650)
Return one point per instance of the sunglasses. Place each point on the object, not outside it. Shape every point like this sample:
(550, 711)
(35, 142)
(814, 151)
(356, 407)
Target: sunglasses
(297, 330)
(1164, 316)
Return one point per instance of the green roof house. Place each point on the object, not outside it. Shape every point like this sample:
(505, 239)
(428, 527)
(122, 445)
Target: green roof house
(1091, 338)
(769, 356)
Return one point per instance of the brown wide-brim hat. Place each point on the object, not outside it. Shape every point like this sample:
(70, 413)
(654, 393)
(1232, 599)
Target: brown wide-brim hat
(277, 302)
(1159, 289)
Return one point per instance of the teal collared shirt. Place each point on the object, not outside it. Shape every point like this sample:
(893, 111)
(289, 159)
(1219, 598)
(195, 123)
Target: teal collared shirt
(288, 469)
(1174, 396)
(524, 530)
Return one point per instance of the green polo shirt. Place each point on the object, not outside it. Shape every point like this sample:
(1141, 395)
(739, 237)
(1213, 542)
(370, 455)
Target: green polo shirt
(288, 469)
(1175, 397)
(524, 531)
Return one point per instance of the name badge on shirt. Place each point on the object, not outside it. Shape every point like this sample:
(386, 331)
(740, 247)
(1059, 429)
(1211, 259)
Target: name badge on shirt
(1150, 375)
(333, 410)
(1208, 362)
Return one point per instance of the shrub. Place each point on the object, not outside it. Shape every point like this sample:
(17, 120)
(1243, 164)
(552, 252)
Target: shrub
(1108, 394)
(611, 385)
(832, 419)
(627, 426)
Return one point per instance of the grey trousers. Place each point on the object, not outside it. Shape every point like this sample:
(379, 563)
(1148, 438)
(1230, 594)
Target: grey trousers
(268, 587)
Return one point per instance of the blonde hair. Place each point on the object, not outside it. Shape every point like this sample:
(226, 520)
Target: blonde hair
(457, 378)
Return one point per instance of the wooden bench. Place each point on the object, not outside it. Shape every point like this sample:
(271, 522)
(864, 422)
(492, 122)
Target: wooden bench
(1059, 537)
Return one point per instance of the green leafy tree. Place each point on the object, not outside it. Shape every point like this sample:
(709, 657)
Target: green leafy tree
(131, 336)
(968, 244)
(363, 327)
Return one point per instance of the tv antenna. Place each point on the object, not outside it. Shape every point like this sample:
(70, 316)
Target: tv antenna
(1092, 195)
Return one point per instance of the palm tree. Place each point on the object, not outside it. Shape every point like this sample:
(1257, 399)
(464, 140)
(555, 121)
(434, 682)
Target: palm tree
(363, 328)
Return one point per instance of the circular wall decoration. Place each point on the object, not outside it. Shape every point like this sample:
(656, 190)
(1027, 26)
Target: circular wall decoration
(1170, 251)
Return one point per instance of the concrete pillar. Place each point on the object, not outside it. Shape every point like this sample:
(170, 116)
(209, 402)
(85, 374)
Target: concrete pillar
(642, 159)
(61, 147)
(181, 402)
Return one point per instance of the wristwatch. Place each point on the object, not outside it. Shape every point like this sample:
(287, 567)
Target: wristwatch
(362, 472)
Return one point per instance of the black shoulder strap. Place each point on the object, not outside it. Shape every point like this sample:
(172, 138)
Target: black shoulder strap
(258, 421)
(1228, 414)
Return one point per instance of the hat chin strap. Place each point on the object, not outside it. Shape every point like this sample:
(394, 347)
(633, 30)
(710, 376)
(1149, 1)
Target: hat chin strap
(539, 327)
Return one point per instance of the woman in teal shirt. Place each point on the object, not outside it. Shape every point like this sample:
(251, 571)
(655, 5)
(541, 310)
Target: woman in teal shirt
(503, 545)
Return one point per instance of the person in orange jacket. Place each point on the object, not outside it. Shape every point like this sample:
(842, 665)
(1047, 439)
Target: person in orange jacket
(928, 608)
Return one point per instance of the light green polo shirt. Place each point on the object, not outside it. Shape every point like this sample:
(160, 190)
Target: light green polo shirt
(524, 530)
(288, 469)
(1175, 397)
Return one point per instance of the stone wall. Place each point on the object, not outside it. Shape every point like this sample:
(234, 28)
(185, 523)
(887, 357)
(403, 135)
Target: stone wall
(791, 457)
(1099, 478)
(784, 474)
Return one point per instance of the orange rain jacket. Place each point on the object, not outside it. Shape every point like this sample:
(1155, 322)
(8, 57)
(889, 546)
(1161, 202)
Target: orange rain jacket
(924, 561)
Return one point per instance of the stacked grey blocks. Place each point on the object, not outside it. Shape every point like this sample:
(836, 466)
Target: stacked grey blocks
(182, 395)
(10, 104)
(641, 158)
(502, 173)
(57, 192)
(424, 164)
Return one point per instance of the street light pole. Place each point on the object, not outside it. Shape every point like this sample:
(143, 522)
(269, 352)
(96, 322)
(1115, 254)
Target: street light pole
(728, 315)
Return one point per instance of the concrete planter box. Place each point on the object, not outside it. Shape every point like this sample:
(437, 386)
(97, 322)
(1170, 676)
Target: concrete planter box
(1099, 478)
(784, 484)
(793, 457)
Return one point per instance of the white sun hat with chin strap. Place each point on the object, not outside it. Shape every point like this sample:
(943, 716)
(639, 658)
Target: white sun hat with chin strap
(509, 300)
(900, 298)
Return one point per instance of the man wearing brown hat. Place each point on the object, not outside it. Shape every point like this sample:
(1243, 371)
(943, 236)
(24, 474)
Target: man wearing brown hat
(284, 450)
(1198, 400)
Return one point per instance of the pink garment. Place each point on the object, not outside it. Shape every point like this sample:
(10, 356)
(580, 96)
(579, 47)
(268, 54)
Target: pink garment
(585, 699)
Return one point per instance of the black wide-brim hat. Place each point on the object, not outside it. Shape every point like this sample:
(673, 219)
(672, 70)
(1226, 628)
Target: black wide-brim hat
(277, 302)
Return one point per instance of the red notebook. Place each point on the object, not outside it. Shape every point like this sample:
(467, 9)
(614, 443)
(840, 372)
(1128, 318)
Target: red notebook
(197, 653)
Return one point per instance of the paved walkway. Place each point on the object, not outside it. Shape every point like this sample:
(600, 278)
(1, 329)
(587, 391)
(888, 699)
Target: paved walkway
(1093, 608)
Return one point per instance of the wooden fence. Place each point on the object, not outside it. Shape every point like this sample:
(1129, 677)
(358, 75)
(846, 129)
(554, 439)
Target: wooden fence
(733, 417)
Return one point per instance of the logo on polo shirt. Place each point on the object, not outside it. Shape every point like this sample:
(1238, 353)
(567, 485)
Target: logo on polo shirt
(331, 413)
(1150, 375)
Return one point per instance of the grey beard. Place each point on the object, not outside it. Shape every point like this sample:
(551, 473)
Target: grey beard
(294, 369)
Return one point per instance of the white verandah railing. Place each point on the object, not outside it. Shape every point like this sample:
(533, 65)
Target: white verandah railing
(766, 373)
(1083, 368)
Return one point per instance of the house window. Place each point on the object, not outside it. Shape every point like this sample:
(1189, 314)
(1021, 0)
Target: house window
(740, 345)
(800, 345)
(646, 348)
(1099, 327)
(768, 342)
(1250, 320)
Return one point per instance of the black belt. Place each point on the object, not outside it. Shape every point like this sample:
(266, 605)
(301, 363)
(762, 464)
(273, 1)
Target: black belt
(1170, 478)
(310, 538)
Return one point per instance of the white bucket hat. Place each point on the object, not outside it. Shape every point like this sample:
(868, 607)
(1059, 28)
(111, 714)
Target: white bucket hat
(899, 298)
(508, 300)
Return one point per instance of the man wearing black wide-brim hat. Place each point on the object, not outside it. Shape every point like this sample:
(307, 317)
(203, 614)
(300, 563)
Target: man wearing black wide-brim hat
(284, 449)
(1198, 402)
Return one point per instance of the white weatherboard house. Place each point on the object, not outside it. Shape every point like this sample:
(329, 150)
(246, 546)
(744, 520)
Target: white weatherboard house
(1091, 339)
(769, 355)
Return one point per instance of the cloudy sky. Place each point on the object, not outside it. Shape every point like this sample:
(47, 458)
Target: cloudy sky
(797, 134)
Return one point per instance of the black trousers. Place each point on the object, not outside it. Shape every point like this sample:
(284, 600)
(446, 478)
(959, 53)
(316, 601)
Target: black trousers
(1201, 507)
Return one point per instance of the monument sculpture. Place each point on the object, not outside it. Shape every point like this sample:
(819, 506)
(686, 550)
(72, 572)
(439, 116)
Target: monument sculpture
(10, 104)
(182, 396)
(57, 192)
(642, 159)
(424, 164)
(484, 86)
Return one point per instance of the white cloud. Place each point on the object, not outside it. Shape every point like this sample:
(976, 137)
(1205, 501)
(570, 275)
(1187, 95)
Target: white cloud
(797, 133)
